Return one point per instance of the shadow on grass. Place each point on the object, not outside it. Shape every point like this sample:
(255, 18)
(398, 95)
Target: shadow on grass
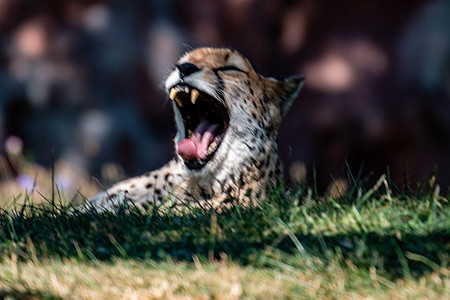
(244, 235)
(26, 295)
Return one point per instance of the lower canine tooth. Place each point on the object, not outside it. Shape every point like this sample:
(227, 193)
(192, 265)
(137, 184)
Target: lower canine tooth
(194, 96)
(180, 103)
(173, 93)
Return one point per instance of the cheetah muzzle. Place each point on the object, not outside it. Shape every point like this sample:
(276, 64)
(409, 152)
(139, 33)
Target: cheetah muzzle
(227, 118)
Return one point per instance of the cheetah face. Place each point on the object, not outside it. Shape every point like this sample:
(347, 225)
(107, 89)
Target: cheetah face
(201, 110)
(213, 104)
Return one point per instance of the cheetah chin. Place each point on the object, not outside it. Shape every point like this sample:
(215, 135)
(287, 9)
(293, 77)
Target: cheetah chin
(227, 117)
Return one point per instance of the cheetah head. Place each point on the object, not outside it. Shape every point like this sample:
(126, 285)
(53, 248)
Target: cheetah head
(224, 110)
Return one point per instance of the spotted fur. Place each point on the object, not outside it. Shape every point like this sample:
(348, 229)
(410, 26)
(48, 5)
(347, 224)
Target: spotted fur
(246, 163)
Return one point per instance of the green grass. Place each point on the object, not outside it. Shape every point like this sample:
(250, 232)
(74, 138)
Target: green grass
(371, 243)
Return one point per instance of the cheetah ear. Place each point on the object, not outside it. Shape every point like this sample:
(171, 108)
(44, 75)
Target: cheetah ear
(284, 90)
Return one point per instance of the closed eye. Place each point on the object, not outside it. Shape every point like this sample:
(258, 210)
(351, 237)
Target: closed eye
(228, 69)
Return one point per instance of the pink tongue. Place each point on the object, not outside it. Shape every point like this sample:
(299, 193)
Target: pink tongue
(197, 145)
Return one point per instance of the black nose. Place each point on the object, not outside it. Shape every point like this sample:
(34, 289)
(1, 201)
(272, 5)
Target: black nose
(187, 69)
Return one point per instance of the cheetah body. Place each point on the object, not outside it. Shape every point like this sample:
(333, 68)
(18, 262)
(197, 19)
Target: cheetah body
(216, 89)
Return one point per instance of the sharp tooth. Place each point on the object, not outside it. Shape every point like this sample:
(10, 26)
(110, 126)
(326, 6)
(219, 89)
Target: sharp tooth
(194, 96)
(180, 103)
(212, 146)
(173, 93)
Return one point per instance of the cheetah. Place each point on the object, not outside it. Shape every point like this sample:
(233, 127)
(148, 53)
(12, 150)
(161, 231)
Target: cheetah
(227, 118)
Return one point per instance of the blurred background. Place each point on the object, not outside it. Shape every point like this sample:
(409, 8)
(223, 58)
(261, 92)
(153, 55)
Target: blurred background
(81, 85)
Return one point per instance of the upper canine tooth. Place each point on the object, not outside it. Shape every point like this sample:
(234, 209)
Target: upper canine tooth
(194, 95)
(173, 93)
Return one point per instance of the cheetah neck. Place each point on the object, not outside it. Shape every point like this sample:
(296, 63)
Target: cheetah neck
(243, 176)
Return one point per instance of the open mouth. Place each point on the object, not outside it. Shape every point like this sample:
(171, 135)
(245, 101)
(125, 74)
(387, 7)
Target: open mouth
(205, 121)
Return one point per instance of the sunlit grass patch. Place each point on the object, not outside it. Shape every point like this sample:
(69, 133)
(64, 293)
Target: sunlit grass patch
(127, 279)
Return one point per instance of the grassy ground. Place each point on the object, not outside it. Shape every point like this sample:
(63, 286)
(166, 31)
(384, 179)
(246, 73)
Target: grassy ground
(365, 244)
